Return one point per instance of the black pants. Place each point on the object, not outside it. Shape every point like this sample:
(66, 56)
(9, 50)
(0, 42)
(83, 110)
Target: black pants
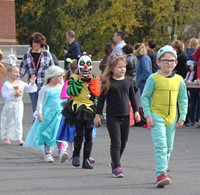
(118, 129)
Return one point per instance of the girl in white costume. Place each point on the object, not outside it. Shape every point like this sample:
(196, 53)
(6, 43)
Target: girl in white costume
(13, 109)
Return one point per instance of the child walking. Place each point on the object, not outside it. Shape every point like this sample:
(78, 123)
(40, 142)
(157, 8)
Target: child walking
(163, 91)
(13, 109)
(84, 89)
(42, 134)
(67, 132)
(117, 90)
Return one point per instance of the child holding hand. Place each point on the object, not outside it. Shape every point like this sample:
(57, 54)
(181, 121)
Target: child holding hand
(13, 109)
(42, 135)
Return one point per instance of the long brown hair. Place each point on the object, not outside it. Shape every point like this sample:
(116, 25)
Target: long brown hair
(107, 75)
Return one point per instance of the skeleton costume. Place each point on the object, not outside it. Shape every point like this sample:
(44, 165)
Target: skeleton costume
(80, 110)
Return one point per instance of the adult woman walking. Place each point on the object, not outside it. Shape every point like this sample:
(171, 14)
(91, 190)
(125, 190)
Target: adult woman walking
(35, 62)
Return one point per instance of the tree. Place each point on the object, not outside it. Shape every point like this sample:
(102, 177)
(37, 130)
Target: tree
(95, 21)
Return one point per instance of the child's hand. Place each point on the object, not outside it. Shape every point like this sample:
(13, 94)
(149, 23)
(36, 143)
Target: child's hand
(39, 117)
(90, 76)
(97, 120)
(179, 123)
(33, 78)
(137, 117)
(150, 121)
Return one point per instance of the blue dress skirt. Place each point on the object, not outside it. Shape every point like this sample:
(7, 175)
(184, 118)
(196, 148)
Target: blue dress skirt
(67, 132)
(45, 132)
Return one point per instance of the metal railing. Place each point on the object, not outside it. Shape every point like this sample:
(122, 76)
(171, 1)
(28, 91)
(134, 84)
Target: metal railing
(18, 50)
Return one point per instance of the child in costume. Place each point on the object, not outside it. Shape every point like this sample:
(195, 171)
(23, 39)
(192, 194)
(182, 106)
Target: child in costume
(13, 109)
(163, 91)
(84, 88)
(42, 135)
(117, 90)
(67, 132)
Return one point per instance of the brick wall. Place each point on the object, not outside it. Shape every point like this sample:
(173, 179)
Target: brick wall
(7, 22)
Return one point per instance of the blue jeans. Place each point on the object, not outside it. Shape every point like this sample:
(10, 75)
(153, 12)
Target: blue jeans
(34, 99)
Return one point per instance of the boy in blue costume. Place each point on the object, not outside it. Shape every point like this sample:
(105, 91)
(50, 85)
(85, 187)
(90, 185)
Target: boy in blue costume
(163, 92)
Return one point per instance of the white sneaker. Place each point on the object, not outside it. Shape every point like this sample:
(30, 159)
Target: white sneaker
(48, 158)
(70, 161)
(63, 156)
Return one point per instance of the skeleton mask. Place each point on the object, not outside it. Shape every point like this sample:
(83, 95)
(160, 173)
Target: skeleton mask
(85, 64)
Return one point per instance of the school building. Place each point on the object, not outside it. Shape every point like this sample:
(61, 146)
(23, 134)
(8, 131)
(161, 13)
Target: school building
(7, 22)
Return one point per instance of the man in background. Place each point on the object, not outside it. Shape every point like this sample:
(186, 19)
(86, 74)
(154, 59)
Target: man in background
(118, 39)
(73, 50)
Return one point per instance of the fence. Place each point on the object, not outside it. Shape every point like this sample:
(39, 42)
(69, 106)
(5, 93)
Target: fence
(18, 50)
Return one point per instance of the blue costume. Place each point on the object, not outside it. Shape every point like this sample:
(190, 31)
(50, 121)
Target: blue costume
(45, 131)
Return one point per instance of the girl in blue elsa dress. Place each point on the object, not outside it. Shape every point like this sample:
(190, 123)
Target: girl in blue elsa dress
(42, 135)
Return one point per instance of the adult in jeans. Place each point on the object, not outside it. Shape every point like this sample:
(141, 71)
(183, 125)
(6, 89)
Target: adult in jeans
(35, 62)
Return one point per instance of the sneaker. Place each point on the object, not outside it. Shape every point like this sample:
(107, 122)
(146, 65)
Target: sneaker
(162, 180)
(6, 141)
(21, 142)
(48, 158)
(118, 173)
(70, 161)
(63, 156)
(92, 160)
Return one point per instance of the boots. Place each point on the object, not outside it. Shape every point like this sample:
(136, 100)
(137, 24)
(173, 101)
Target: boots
(76, 154)
(86, 155)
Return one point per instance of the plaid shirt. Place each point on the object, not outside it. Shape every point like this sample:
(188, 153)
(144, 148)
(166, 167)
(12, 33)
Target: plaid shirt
(27, 66)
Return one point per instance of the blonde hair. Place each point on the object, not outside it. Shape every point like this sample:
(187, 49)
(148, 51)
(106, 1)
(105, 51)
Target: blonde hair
(140, 49)
(114, 59)
(193, 43)
(10, 68)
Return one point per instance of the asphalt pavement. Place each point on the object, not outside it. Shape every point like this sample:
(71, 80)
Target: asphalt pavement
(23, 172)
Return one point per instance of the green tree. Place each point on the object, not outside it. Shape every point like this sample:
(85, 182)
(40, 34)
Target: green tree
(95, 21)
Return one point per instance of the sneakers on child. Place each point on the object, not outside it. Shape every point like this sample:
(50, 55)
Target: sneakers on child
(48, 158)
(21, 142)
(162, 180)
(118, 173)
(63, 156)
(6, 141)
(70, 161)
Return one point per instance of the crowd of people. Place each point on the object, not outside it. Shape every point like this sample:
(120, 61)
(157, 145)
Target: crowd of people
(137, 86)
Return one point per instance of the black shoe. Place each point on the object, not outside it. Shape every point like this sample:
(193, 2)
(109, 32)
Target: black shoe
(87, 164)
(76, 161)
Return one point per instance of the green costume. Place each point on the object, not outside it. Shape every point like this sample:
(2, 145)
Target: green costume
(160, 99)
